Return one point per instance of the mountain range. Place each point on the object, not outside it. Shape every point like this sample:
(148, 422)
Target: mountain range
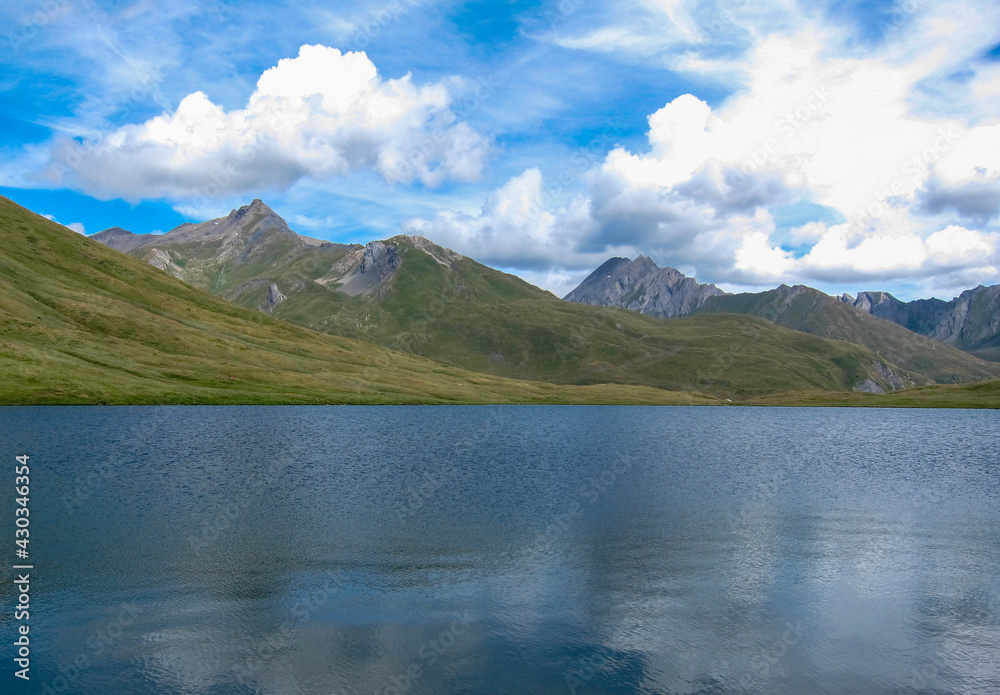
(970, 321)
(84, 324)
(408, 294)
(911, 335)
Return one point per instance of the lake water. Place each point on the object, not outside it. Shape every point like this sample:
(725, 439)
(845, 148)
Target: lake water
(440, 550)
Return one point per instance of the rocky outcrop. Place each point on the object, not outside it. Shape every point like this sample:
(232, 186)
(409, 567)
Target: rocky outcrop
(440, 254)
(642, 286)
(158, 258)
(887, 380)
(889, 376)
(869, 385)
(272, 299)
(374, 273)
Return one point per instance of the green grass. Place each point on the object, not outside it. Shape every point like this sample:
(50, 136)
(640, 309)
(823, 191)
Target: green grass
(471, 316)
(81, 323)
(805, 309)
(985, 394)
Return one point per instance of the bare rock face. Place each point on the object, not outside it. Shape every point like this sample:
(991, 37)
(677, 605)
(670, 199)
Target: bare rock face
(272, 299)
(894, 382)
(162, 260)
(642, 286)
(869, 385)
(976, 317)
(374, 273)
(440, 254)
(889, 380)
(969, 321)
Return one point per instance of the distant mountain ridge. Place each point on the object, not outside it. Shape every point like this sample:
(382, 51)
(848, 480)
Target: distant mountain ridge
(642, 286)
(409, 294)
(255, 217)
(800, 308)
(84, 324)
(808, 310)
(970, 322)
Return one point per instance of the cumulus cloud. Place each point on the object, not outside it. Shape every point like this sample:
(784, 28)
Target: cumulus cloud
(514, 228)
(322, 114)
(816, 119)
(840, 255)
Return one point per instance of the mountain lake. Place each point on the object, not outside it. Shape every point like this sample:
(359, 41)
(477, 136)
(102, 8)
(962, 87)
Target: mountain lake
(506, 550)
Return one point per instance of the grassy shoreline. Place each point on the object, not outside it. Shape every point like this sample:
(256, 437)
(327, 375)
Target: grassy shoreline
(983, 395)
(84, 324)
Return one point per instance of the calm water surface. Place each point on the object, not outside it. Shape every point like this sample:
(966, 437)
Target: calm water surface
(320, 551)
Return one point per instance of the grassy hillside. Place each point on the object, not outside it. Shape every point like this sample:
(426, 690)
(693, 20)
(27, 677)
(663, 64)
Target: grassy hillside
(81, 323)
(805, 309)
(988, 350)
(458, 312)
(729, 356)
(985, 394)
(482, 319)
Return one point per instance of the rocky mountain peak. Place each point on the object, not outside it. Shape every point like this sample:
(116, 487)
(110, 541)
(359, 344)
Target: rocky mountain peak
(610, 267)
(247, 222)
(642, 286)
(256, 207)
(120, 239)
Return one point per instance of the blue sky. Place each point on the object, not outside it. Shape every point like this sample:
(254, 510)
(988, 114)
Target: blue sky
(844, 145)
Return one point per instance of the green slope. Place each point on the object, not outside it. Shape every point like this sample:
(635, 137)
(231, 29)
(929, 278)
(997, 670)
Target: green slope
(804, 309)
(984, 394)
(82, 323)
(479, 318)
(458, 312)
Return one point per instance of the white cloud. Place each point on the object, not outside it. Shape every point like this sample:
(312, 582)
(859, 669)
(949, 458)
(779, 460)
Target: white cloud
(816, 119)
(838, 256)
(75, 226)
(320, 115)
(756, 256)
(558, 281)
(514, 228)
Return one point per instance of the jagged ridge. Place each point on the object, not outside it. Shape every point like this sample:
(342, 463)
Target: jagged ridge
(641, 286)
(970, 321)
(632, 285)
(410, 294)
